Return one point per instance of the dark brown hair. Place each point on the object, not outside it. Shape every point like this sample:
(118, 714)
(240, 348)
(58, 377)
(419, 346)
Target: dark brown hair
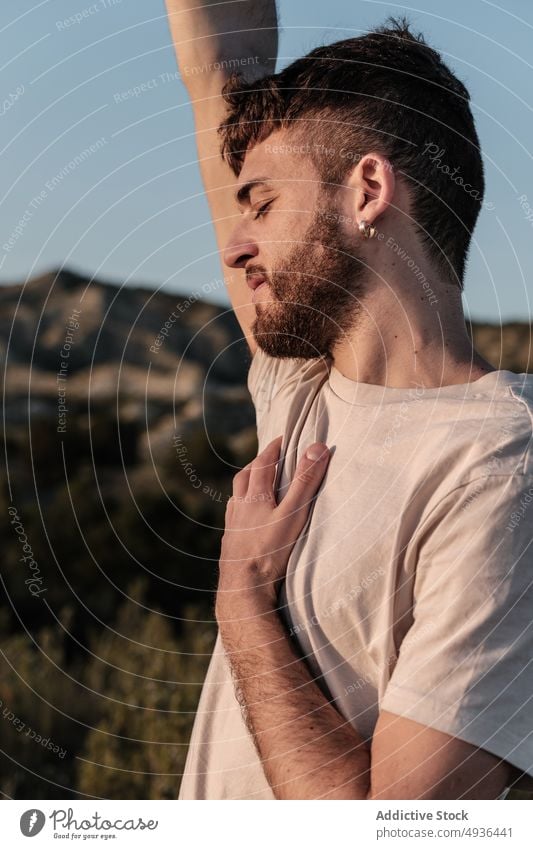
(388, 91)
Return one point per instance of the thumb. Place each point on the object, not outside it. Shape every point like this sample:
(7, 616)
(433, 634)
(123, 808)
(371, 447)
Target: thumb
(307, 479)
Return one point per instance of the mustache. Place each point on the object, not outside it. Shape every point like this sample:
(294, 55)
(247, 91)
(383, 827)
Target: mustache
(253, 270)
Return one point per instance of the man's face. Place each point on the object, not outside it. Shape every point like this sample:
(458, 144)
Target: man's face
(293, 239)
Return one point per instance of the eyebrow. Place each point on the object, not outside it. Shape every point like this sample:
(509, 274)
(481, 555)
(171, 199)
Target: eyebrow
(242, 196)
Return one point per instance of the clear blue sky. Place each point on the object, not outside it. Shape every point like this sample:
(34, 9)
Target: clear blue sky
(133, 210)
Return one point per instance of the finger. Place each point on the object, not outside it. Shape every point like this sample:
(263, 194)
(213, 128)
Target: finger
(263, 470)
(307, 479)
(241, 480)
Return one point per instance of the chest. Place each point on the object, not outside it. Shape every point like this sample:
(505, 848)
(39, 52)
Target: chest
(349, 582)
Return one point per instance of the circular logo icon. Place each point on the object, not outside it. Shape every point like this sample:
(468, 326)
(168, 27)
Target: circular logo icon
(32, 822)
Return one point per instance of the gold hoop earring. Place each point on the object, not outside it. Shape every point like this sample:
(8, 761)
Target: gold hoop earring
(367, 230)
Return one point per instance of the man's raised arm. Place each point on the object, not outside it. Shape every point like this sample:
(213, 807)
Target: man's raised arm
(212, 40)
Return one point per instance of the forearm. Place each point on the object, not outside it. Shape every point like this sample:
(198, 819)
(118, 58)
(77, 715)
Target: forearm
(308, 750)
(212, 40)
(239, 36)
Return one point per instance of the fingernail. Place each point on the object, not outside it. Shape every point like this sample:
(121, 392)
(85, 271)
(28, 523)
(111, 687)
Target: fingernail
(317, 451)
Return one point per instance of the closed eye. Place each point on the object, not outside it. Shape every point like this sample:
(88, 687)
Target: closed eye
(260, 211)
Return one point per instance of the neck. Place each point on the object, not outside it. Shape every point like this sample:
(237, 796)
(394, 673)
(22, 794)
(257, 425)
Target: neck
(403, 338)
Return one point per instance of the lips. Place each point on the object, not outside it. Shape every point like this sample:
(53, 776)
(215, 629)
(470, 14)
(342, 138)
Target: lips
(263, 285)
(255, 280)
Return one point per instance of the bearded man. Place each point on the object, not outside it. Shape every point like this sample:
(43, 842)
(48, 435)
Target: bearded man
(374, 598)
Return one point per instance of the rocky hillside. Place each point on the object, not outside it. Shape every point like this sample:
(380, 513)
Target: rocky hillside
(151, 352)
(126, 417)
(115, 375)
(506, 346)
(153, 362)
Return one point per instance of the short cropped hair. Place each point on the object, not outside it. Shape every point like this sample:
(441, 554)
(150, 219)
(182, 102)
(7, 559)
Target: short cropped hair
(388, 91)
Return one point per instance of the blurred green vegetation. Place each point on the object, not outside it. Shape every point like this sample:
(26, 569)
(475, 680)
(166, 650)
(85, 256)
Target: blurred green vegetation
(107, 664)
(152, 683)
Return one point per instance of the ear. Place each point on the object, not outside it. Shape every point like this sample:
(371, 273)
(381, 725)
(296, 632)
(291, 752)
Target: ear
(373, 183)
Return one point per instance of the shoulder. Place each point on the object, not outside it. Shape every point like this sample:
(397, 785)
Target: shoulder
(270, 377)
(492, 432)
(506, 434)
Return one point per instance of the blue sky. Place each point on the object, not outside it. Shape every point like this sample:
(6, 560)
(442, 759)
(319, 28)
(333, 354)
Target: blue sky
(131, 209)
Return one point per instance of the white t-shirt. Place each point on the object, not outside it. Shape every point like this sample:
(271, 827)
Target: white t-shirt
(410, 589)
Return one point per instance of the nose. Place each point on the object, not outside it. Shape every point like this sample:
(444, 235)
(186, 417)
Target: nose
(239, 250)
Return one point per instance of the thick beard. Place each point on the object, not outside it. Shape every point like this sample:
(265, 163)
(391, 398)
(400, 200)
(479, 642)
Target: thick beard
(316, 293)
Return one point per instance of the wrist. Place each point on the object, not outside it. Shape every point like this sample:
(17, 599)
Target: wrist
(244, 604)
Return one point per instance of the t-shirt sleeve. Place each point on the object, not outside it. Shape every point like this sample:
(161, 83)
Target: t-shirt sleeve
(465, 666)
